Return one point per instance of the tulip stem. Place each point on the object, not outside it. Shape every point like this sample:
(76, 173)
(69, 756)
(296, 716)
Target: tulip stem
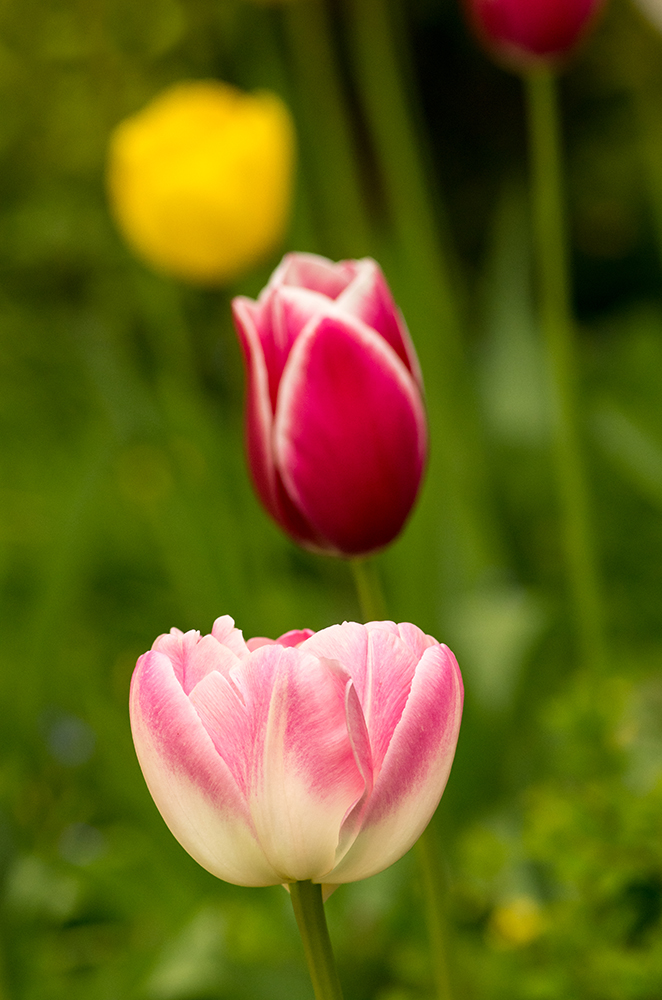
(373, 608)
(369, 590)
(331, 143)
(311, 920)
(454, 526)
(432, 877)
(557, 326)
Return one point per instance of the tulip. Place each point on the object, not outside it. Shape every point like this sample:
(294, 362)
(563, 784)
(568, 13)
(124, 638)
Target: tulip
(316, 756)
(526, 33)
(335, 424)
(200, 180)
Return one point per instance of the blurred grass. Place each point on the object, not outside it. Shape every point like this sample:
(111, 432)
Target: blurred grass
(125, 508)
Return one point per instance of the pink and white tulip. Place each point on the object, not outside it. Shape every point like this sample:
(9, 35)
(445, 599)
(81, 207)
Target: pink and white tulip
(335, 424)
(316, 756)
(524, 33)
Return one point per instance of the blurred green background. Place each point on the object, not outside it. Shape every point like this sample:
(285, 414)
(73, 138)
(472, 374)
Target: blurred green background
(125, 506)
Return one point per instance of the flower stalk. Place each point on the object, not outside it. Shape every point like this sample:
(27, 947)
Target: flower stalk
(309, 912)
(432, 881)
(373, 604)
(557, 326)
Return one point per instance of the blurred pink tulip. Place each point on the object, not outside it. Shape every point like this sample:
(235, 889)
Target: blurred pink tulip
(335, 424)
(523, 33)
(317, 756)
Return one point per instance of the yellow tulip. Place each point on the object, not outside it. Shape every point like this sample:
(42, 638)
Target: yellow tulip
(200, 180)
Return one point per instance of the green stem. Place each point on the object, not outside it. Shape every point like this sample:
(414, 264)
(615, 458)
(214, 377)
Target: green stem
(311, 920)
(369, 590)
(429, 861)
(327, 127)
(557, 325)
(382, 83)
(373, 607)
(451, 536)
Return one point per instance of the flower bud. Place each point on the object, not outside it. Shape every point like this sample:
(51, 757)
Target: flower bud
(335, 424)
(200, 180)
(317, 756)
(526, 33)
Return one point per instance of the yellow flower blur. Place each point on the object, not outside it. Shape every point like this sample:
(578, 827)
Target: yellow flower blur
(200, 180)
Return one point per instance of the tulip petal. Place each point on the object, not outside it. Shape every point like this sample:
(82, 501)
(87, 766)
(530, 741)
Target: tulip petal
(290, 311)
(177, 646)
(259, 427)
(224, 631)
(308, 270)
(369, 298)
(191, 785)
(278, 319)
(292, 638)
(387, 678)
(381, 667)
(259, 415)
(360, 742)
(350, 429)
(222, 708)
(413, 637)
(414, 771)
(347, 643)
(300, 767)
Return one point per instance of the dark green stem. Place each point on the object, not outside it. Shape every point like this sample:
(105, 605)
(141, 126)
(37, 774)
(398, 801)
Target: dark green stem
(311, 920)
(558, 331)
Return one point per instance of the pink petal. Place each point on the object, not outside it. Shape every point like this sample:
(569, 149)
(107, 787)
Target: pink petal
(190, 784)
(305, 777)
(224, 631)
(259, 428)
(350, 435)
(369, 298)
(389, 669)
(308, 270)
(278, 318)
(291, 309)
(177, 646)
(259, 415)
(360, 742)
(412, 636)
(221, 706)
(207, 655)
(192, 656)
(292, 638)
(381, 667)
(346, 643)
(259, 640)
(288, 515)
(415, 769)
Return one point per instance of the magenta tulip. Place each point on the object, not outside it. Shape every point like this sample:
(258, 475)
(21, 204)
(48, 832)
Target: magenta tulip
(317, 756)
(523, 33)
(335, 425)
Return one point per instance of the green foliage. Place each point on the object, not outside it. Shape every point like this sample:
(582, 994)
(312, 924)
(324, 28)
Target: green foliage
(571, 879)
